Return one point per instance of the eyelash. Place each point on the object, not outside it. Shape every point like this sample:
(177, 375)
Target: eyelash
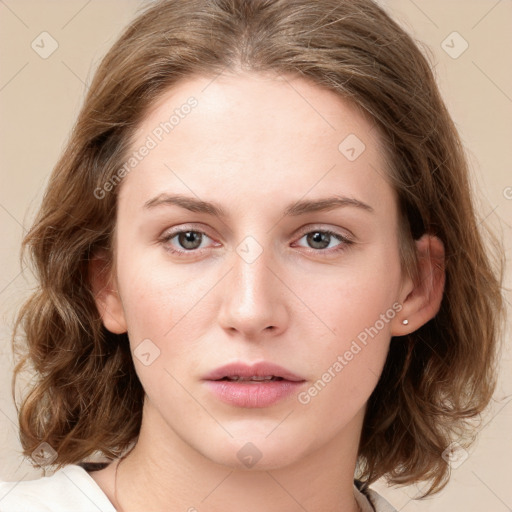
(346, 242)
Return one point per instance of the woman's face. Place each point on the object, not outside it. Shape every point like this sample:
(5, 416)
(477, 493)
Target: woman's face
(265, 281)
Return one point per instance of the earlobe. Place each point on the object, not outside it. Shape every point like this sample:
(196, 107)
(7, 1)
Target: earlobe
(106, 295)
(423, 299)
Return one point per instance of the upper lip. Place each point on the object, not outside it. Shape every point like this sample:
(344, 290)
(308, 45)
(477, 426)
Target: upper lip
(261, 369)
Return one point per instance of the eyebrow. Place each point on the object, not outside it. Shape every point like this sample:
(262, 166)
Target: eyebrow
(300, 207)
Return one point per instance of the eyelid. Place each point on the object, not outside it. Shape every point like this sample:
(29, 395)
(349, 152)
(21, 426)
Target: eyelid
(345, 234)
(184, 227)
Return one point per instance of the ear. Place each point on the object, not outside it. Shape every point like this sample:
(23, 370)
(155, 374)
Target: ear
(106, 294)
(421, 300)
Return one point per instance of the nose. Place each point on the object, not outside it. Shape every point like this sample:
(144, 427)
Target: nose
(253, 298)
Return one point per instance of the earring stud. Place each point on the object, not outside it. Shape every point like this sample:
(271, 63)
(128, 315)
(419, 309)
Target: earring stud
(405, 322)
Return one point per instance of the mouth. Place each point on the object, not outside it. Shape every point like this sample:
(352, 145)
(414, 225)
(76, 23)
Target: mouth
(252, 385)
(262, 371)
(238, 378)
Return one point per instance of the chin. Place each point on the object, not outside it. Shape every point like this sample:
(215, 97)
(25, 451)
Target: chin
(256, 453)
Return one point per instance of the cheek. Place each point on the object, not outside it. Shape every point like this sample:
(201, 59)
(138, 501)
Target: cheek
(165, 302)
(353, 297)
(356, 313)
(146, 298)
(346, 366)
(357, 327)
(158, 308)
(150, 300)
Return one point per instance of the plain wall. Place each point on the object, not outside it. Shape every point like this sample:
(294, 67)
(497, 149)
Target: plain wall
(39, 101)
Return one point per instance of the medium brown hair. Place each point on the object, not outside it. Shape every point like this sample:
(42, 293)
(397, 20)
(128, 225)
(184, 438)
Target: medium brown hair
(87, 398)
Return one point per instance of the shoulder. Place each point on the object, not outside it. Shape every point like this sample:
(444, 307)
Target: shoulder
(69, 488)
(370, 500)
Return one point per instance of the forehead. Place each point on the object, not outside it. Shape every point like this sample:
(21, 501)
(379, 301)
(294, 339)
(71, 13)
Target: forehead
(260, 134)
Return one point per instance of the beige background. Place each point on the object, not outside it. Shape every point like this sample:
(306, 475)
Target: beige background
(40, 98)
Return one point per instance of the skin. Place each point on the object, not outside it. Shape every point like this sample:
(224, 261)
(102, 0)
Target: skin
(256, 144)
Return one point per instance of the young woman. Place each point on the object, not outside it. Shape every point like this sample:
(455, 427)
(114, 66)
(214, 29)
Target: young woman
(262, 284)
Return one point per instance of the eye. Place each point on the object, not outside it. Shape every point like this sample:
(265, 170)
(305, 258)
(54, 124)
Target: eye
(185, 240)
(321, 239)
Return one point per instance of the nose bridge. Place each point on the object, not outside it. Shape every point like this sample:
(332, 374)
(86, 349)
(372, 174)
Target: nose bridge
(252, 301)
(251, 267)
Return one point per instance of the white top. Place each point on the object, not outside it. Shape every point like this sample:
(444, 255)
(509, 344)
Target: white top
(72, 489)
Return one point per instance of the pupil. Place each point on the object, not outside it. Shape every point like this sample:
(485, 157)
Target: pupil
(186, 239)
(319, 238)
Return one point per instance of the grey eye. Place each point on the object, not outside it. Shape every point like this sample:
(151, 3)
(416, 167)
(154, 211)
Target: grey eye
(318, 239)
(189, 239)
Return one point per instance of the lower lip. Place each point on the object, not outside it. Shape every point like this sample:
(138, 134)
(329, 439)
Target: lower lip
(252, 394)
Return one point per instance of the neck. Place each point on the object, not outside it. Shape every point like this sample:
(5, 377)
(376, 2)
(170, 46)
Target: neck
(172, 475)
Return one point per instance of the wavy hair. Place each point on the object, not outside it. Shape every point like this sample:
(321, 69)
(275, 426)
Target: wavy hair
(86, 396)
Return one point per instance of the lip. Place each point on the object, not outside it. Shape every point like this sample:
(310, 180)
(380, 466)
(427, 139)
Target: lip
(252, 394)
(260, 369)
